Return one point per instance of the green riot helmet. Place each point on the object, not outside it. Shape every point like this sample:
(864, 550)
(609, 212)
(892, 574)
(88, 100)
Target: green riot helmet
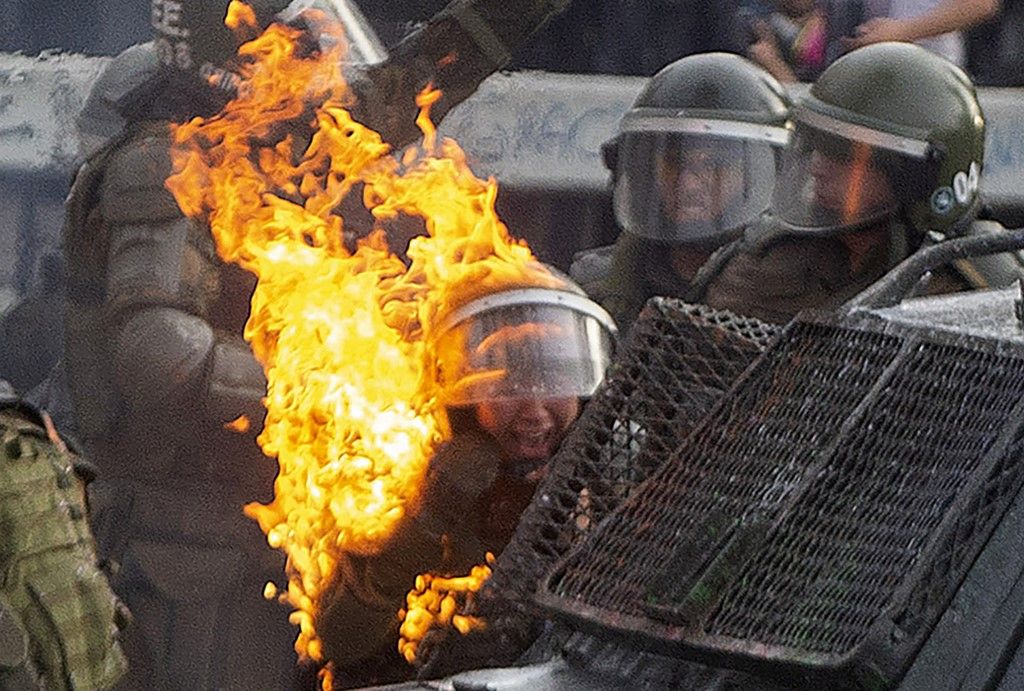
(195, 46)
(535, 338)
(696, 155)
(888, 131)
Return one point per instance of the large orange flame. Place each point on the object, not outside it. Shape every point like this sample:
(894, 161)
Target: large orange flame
(352, 405)
(438, 603)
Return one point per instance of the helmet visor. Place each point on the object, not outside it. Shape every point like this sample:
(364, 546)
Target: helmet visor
(837, 178)
(680, 187)
(524, 351)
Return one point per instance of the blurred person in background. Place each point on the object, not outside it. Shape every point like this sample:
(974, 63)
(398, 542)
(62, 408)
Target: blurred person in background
(32, 330)
(642, 36)
(995, 49)
(937, 25)
(795, 40)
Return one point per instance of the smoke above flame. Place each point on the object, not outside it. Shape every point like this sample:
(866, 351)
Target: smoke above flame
(342, 332)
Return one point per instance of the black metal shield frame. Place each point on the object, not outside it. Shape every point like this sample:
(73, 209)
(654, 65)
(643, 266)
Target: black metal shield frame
(818, 521)
(678, 361)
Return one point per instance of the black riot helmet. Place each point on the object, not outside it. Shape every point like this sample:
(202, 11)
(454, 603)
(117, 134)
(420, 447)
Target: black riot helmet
(695, 157)
(888, 130)
(196, 46)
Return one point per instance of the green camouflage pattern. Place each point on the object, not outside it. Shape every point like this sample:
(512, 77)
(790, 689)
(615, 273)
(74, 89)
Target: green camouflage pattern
(52, 591)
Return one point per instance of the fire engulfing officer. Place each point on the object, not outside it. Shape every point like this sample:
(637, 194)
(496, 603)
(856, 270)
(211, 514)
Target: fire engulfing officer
(155, 358)
(59, 619)
(693, 165)
(887, 154)
(515, 365)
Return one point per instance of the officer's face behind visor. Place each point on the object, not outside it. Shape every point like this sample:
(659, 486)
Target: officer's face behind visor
(524, 351)
(847, 176)
(680, 187)
(524, 369)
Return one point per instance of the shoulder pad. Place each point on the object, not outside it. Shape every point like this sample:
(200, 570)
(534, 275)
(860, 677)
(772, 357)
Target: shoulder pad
(100, 121)
(133, 190)
(160, 354)
(592, 267)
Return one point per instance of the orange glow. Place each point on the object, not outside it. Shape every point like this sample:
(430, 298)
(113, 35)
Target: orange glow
(343, 333)
(858, 172)
(239, 14)
(515, 334)
(435, 603)
(240, 424)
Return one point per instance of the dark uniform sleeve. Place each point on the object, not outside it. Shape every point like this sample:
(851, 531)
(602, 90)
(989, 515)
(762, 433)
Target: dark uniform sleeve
(455, 51)
(162, 282)
(360, 616)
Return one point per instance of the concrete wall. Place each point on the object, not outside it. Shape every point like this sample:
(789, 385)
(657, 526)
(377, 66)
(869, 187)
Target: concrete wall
(538, 134)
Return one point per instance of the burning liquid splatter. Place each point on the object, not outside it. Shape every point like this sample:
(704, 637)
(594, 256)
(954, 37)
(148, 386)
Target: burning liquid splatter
(352, 406)
(436, 603)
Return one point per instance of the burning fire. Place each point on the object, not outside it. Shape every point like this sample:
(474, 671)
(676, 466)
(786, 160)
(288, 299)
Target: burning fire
(435, 603)
(352, 405)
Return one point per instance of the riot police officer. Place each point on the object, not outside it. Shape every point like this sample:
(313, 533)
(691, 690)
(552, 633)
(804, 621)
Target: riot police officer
(693, 165)
(515, 366)
(155, 358)
(59, 619)
(887, 154)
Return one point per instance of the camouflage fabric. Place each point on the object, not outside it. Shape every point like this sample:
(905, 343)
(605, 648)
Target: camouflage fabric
(52, 594)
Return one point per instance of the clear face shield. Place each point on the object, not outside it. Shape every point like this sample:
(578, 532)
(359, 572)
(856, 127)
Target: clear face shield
(837, 175)
(533, 343)
(694, 181)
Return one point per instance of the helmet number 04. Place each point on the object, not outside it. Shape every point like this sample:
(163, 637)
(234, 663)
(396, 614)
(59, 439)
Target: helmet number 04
(965, 185)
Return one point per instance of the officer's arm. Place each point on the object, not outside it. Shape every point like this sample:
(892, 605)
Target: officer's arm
(161, 282)
(455, 50)
(359, 617)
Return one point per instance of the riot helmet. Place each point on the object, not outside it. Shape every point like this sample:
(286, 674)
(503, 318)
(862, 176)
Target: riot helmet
(195, 45)
(524, 342)
(888, 131)
(695, 157)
